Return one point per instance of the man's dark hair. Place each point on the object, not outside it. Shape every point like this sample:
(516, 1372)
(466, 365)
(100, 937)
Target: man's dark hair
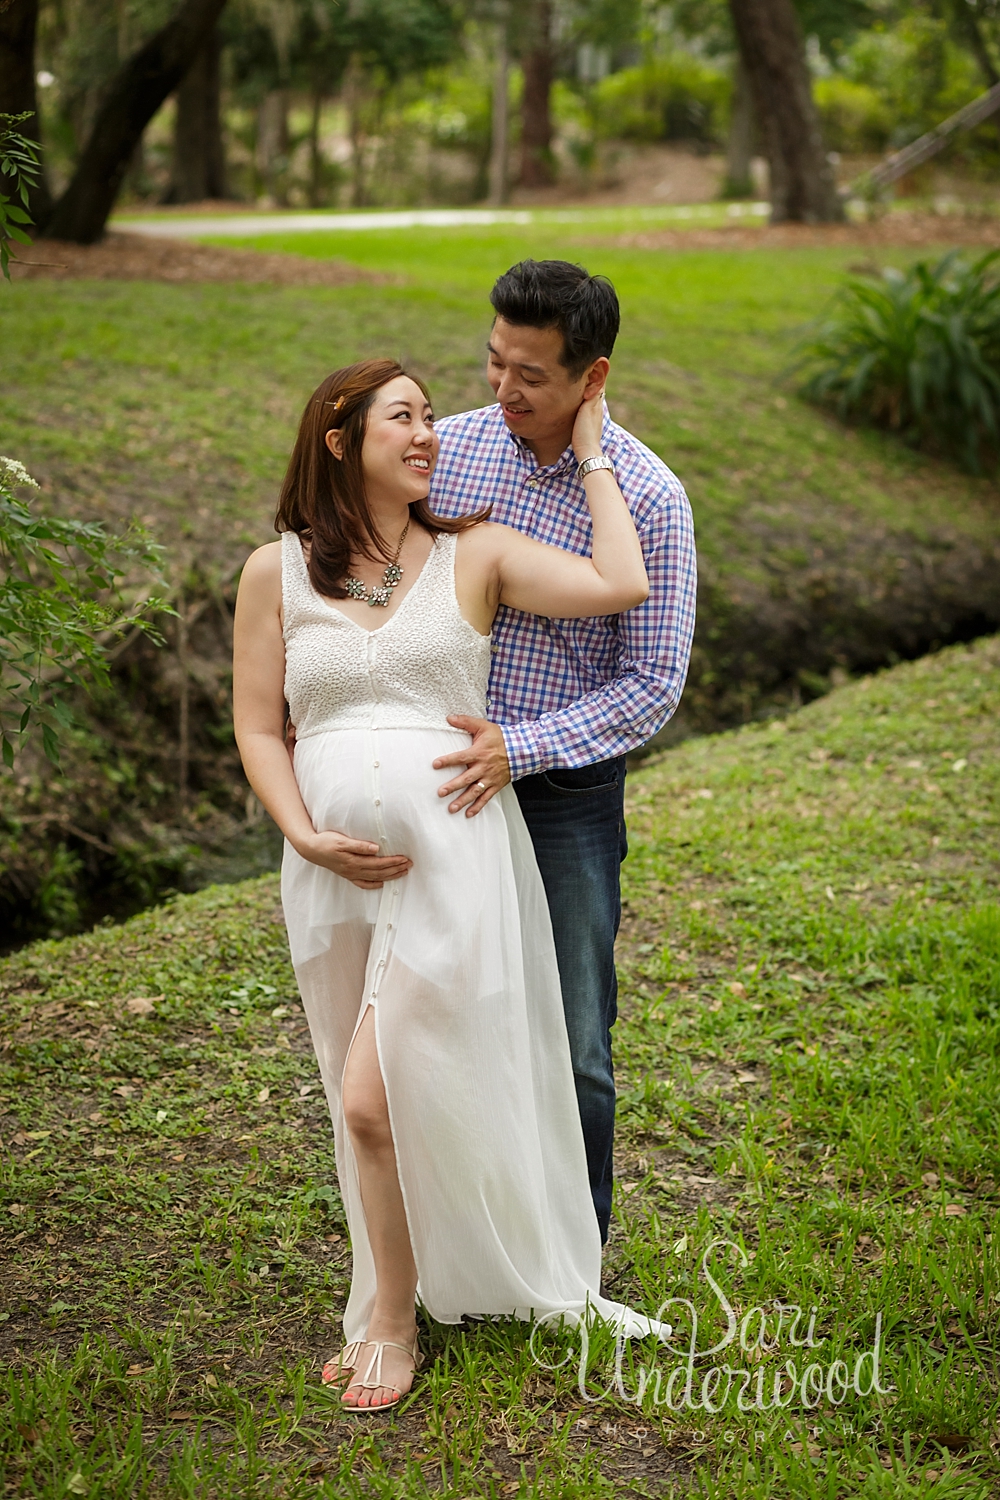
(558, 294)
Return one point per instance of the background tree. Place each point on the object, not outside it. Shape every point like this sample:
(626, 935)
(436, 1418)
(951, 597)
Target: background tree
(772, 49)
(18, 91)
(133, 98)
(199, 158)
(387, 40)
(538, 63)
(500, 105)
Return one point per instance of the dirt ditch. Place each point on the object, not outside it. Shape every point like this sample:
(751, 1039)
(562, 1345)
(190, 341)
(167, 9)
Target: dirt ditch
(143, 804)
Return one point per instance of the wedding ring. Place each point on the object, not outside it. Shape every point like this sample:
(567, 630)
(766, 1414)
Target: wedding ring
(481, 785)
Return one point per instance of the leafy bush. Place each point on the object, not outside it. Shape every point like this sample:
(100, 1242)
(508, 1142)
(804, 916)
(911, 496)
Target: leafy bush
(19, 165)
(60, 609)
(917, 352)
(855, 117)
(670, 98)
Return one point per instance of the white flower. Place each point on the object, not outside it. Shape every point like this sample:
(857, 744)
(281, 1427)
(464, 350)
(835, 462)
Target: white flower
(12, 473)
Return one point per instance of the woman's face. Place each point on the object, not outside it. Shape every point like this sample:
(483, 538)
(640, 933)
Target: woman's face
(401, 446)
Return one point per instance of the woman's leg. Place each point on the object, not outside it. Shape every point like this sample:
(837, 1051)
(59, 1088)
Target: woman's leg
(366, 1114)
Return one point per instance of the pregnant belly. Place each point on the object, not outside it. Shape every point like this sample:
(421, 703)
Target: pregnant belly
(381, 785)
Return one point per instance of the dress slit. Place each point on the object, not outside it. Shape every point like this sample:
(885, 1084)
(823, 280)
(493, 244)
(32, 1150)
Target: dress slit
(456, 959)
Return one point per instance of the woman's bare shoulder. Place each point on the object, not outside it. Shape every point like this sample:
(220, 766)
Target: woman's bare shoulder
(261, 575)
(485, 536)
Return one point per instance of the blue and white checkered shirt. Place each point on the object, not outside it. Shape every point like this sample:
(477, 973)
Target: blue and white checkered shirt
(571, 692)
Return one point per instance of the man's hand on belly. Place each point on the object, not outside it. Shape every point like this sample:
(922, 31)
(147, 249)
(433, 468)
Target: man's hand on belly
(485, 762)
(356, 860)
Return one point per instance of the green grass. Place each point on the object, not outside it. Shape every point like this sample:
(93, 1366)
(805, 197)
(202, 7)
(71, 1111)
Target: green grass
(808, 1067)
(179, 402)
(823, 550)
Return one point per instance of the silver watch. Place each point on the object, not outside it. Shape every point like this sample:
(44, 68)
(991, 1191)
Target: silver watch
(601, 461)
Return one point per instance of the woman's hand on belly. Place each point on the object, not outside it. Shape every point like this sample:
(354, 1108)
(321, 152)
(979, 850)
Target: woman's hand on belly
(355, 860)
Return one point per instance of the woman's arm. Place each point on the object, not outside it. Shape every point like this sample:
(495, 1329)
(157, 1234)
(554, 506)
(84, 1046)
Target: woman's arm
(259, 722)
(543, 580)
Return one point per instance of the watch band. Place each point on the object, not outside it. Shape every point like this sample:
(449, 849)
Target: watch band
(600, 461)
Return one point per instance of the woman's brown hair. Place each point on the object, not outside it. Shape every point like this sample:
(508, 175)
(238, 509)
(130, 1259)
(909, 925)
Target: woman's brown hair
(323, 498)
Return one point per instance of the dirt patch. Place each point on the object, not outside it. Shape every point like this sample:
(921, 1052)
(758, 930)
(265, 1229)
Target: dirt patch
(628, 175)
(143, 257)
(896, 229)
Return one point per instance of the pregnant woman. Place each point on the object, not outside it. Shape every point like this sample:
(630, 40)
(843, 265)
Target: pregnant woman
(421, 940)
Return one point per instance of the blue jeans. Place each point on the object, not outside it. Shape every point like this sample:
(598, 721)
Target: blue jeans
(577, 824)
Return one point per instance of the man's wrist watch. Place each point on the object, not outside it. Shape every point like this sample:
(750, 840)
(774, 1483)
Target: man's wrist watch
(588, 465)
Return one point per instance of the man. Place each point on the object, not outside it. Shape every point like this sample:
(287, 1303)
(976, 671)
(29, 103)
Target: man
(569, 698)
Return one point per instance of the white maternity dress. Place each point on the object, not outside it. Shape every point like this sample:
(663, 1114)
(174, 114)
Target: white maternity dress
(457, 959)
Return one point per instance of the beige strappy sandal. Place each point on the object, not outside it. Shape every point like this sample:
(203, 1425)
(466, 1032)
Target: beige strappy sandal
(372, 1378)
(345, 1364)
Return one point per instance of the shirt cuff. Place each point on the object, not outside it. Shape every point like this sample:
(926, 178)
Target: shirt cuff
(525, 754)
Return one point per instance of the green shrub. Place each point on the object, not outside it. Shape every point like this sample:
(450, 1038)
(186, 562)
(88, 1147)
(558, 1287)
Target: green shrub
(917, 352)
(855, 117)
(669, 99)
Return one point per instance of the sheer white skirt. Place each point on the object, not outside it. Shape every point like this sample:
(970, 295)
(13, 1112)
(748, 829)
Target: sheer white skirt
(458, 960)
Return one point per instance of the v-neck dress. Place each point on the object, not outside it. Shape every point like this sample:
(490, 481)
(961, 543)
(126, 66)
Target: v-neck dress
(456, 957)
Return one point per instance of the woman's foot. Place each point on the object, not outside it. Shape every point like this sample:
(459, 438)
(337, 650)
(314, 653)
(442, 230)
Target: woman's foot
(339, 1369)
(383, 1371)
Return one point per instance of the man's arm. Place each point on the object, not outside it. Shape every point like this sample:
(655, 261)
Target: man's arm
(655, 649)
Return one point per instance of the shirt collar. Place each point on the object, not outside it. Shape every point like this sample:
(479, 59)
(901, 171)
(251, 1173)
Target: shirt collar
(566, 459)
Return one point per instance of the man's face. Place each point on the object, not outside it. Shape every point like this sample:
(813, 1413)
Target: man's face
(537, 394)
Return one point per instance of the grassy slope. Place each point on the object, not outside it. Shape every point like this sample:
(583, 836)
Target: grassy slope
(808, 1065)
(179, 403)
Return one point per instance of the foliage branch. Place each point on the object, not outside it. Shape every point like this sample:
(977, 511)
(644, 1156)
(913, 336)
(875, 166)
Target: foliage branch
(61, 604)
(61, 608)
(19, 165)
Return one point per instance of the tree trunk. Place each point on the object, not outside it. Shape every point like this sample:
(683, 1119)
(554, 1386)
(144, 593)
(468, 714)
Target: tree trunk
(740, 148)
(272, 145)
(803, 187)
(501, 110)
(18, 22)
(972, 34)
(199, 155)
(358, 113)
(536, 118)
(315, 150)
(132, 99)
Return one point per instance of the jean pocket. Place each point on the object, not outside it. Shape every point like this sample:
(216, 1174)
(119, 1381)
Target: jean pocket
(582, 782)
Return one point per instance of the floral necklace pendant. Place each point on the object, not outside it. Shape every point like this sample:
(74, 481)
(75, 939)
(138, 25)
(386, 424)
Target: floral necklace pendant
(379, 593)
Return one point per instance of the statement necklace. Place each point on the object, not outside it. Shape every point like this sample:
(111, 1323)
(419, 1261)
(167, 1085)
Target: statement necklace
(379, 593)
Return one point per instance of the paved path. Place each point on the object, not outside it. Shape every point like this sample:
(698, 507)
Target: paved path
(244, 225)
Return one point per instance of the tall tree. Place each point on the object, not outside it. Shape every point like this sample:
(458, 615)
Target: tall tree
(742, 137)
(803, 187)
(18, 23)
(133, 97)
(199, 166)
(538, 62)
(500, 111)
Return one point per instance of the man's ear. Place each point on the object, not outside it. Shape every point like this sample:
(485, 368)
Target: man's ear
(335, 442)
(597, 377)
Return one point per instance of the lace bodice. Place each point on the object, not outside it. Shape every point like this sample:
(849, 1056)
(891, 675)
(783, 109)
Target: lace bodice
(425, 662)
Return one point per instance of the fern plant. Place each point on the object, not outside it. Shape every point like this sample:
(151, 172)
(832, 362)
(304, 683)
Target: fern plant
(916, 351)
